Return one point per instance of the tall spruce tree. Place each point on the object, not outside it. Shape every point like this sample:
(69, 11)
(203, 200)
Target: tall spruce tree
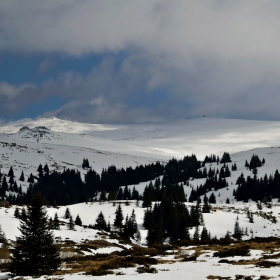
(71, 224)
(35, 252)
(237, 231)
(21, 178)
(67, 213)
(118, 217)
(100, 222)
(78, 221)
(56, 222)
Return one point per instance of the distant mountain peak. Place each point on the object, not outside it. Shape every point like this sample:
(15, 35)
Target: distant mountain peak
(24, 129)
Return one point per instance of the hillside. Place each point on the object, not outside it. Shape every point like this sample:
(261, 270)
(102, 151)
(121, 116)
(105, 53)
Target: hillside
(63, 144)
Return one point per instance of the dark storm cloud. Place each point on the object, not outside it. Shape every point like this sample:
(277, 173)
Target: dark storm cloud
(220, 58)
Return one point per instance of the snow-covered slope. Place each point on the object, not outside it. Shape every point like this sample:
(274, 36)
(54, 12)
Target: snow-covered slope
(26, 143)
(125, 145)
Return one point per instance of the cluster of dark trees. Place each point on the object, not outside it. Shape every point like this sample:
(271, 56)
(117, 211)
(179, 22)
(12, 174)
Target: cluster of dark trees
(172, 219)
(210, 184)
(9, 183)
(34, 252)
(156, 192)
(254, 188)
(127, 228)
(254, 162)
(68, 186)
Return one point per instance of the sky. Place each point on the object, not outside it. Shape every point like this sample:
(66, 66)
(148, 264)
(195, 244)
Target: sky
(136, 61)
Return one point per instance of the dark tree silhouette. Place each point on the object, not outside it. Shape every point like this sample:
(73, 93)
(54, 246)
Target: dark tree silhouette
(35, 252)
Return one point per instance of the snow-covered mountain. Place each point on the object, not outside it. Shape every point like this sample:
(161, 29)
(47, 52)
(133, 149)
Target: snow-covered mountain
(61, 143)
(26, 143)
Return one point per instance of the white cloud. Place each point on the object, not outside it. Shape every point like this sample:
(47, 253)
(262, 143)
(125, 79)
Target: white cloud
(214, 57)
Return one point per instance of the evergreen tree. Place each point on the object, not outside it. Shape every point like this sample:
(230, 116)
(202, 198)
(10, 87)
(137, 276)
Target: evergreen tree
(103, 196)
(11, 172)
(206, 207)
(16, 213)
(204, 234)
(23, 214)
(46, 169)
(35, 252)
(196, 234)
(100, 222)
(78, 221)
(212, 198)
(71, 224)
(85, 163)
(30, 179)
(237, 231)
(56, 222)
(15, 187)
(21, 178)
(4, 187)
(251, 218)
(118, 217)
(40, 170)
(4, 240)
(225, 158)
(51, 225)
(67, 213)
(130, 228)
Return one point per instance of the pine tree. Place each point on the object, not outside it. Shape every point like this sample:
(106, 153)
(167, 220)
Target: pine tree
(51, 225)
(16, 213)
(35, 252)
(78, 221)
(4, 187)
(4, 240)
(103, 196)
(212, 198)
(11, 172)
(30, 179)
(100, 222)
(67, 213)
(23, 214)
(56, 222)
(118, 217)
(85, 163)
(21, 178)
(40, 171)
(204, 234)
(46, 169)
(196, 234)
(237, 232)
(71, 224)
(206, 207)
(15, 187)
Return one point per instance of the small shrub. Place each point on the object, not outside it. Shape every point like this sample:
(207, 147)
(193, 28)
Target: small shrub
(224, 261)
(100, 272)
(266, 264)
(146, 269)
(189, 259)
(237, 251)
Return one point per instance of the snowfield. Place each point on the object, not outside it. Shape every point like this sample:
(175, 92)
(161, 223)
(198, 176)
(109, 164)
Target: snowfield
(63, 144)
